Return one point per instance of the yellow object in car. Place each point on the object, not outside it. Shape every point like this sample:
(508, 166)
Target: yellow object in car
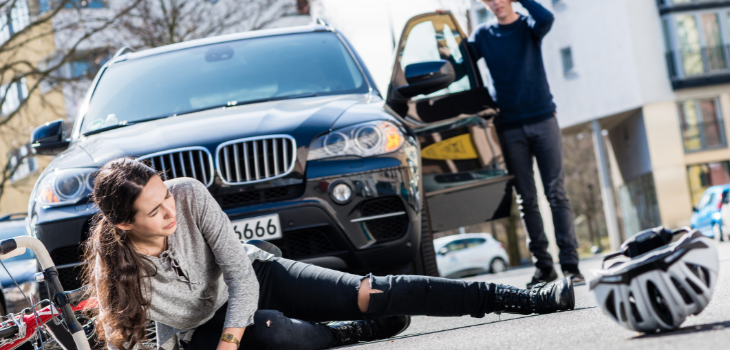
(455, 148)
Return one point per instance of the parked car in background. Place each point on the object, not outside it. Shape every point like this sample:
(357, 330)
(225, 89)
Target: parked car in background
(707, 216)
(21, 267)
(469, 254)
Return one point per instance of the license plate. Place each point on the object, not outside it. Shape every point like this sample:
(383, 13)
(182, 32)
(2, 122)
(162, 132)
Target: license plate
(262, 227)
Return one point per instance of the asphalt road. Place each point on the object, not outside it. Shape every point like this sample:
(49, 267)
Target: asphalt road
(583, 328)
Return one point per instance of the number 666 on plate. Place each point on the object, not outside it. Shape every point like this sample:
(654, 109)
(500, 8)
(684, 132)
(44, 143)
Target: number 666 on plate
(265, 227)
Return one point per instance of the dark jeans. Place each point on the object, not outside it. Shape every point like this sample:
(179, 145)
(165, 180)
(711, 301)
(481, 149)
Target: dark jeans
(543, 141)
(294, 296)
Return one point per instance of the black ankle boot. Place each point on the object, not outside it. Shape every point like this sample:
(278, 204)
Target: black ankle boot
(351, 332)
(542, 298)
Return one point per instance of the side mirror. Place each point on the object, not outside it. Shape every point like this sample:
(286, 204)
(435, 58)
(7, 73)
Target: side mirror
(443, 251)
(426, 77)
(48, 139)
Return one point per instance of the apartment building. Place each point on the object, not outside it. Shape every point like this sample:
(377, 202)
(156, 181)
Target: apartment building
(655, 76)
(15, 150)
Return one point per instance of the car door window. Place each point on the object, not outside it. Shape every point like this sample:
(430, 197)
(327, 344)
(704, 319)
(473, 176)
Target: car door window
(434, 40)
(456, 245)
(706, 199)
(474, 242)
(710, 200)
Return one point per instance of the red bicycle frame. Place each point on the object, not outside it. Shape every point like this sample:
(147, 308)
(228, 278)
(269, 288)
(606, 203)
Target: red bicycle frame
(32, 322)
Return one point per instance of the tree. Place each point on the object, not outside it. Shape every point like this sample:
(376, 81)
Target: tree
(34, 67)
(581, 182)
(161, 22)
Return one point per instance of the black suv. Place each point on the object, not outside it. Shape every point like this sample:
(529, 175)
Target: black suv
(290, 135)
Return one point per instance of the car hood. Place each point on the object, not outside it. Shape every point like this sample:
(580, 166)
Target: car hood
(22, 271)
(303, 118)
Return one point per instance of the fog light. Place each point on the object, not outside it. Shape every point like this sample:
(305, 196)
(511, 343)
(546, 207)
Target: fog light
(341, 193)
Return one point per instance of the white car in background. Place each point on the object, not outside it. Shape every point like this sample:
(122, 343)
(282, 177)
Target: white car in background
(469, 254)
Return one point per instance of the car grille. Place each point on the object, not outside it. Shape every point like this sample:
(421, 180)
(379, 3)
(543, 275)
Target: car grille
(254, 160)
(386, 228)
(273, 194)
(68, 276)
(192, 162)
(302, 244)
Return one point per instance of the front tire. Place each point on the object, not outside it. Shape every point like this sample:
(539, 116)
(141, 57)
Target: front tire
(425, 262)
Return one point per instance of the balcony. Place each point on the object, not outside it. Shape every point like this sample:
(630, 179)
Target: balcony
(699, 67)
(669, 6)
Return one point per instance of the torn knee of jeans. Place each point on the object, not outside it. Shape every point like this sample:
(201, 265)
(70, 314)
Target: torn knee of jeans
(374, 291)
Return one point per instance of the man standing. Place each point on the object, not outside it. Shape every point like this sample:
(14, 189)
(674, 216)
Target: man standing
(528, 128)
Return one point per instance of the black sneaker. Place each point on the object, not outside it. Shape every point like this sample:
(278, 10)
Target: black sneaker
(572, 272)
(543, 275)
(542, 298)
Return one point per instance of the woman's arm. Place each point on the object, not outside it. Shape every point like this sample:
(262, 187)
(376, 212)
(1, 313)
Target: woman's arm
(236, 332)
(243, 287)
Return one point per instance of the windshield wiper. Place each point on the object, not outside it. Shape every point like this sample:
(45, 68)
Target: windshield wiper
(229, 104)
(236, 103)
(123, 124)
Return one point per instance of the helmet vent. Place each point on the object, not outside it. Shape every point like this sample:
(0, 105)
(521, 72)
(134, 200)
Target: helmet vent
(611, 305)
(682, 291)
(659, 303)
(694, 286)
(623, 311)
(634, 309)
(701, 273)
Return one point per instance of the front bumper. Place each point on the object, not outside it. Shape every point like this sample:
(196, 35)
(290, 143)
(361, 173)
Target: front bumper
(378, 229)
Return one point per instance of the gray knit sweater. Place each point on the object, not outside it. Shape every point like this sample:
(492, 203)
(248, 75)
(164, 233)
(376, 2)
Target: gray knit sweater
(214, 268)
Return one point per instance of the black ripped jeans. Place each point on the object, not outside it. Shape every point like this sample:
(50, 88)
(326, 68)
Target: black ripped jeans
(294, 296)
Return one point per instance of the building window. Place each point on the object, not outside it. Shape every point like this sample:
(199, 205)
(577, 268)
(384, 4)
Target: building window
(19, 16)
(702, 126)
(697, 43)
(566, 55)
(28, 163)
(14, 93)
(45, 5)
(14, 20)
(703, 176)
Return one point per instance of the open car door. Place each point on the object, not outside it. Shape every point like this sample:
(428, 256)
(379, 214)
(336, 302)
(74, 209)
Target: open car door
(437, 89)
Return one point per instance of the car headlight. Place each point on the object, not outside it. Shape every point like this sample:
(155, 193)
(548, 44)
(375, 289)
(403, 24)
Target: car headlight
(65, 187)
(13, 295)
(361, 140)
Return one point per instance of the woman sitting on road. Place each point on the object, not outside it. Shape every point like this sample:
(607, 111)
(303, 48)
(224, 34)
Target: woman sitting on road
(165, 251)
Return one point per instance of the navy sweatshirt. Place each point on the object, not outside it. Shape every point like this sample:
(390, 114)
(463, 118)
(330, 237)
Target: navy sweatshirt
(512, 53)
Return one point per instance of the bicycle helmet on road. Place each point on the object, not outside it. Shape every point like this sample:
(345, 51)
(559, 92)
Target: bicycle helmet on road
(658, 288)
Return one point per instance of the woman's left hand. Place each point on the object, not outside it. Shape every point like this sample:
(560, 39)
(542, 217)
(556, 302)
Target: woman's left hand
(226, 346)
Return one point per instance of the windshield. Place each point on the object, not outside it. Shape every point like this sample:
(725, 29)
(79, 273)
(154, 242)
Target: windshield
(225, 74)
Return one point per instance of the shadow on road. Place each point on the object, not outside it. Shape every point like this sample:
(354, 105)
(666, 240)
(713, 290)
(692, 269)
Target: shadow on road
(687, 330)
(457, 328)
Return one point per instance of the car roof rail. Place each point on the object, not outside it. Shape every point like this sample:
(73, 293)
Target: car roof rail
(10, 216)
(122, 51)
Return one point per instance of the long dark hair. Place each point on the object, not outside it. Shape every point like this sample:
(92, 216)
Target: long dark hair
(114, 272)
